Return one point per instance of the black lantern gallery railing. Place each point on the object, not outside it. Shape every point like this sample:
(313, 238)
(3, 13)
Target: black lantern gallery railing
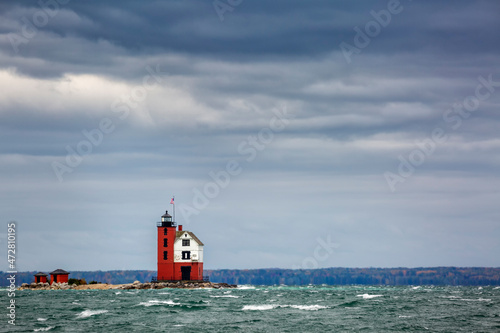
(166, 224)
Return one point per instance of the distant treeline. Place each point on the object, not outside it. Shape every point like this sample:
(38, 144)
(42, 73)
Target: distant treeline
(465, 276)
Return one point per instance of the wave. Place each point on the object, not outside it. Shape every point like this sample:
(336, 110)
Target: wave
(245, 286)
(265, 307)
(42, 329)
(88, 313)
(260, 307)
(156, 302)
(309, 307)
(350, 304)
(41, 319)
(228, 296)
(368, 296)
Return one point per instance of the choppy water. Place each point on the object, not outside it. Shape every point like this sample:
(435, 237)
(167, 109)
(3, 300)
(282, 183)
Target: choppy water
(260, 309)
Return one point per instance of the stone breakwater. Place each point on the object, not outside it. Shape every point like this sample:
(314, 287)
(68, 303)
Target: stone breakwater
(135, 285)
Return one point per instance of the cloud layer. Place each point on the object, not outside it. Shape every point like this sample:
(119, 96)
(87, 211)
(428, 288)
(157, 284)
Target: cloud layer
(390, 152)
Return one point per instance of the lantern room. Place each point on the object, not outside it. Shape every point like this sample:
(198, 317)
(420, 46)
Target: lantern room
(166, 220)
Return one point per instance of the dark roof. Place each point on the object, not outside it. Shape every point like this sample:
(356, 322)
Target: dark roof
(40, 274)
(166, 214)
(180, 233)
(59, 272)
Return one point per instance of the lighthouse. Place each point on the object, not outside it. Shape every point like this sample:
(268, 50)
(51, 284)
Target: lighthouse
(180, 252)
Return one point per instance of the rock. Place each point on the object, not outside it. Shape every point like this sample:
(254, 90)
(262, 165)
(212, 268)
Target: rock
(134, 285)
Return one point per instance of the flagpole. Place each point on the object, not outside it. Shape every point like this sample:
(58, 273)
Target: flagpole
(173, 199)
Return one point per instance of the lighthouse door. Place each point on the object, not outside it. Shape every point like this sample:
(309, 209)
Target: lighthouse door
(186, 272)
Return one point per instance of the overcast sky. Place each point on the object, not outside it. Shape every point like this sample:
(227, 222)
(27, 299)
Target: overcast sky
(340, 133)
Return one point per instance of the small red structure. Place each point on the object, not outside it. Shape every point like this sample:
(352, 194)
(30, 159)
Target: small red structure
(59, 276)
(180, 252)
(40, 277)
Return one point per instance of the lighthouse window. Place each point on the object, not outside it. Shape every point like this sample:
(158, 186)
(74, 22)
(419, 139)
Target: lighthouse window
(165, 231)
(185, 242)
(186, 254)
(165, 242)
(165, 255)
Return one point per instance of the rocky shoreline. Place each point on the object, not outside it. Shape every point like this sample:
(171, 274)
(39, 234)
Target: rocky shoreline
(135, 285)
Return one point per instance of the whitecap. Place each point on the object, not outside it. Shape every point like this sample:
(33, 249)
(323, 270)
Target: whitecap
(309, 307)
(179, 325)
(260, 307)
(42, 329)
(405, 316)
(88, 313)
(367, 296)
(415, 288)
(156, 302)
(496, 288)
(75, 303)
(274, 306)
(243, 287)
(118, 293)
(226, 296)
(41, 319)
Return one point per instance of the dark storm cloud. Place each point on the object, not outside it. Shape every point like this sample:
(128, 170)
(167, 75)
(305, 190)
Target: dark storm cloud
(94, 33)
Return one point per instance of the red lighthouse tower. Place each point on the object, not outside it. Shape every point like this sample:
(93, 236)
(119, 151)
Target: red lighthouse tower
(166, 238)
(180, 252)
